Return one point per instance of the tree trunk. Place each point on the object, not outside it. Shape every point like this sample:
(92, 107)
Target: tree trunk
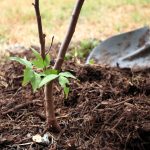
(49, 108)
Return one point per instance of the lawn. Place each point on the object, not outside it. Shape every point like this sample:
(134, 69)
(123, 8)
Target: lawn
(99, 19)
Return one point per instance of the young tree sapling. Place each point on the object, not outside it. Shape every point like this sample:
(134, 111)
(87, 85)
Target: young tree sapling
(42, 61)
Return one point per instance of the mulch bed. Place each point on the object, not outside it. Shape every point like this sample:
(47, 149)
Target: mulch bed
(107, 109)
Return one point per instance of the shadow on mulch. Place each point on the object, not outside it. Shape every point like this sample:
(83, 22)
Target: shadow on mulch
(107, 109)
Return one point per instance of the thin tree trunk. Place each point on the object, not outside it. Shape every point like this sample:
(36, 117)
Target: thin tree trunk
(40, 29)
(48, 91)
(49, 107)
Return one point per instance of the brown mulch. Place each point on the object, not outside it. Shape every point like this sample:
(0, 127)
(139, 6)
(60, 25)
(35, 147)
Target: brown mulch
(107, 109)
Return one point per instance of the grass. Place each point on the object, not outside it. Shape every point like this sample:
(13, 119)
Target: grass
(99, 19)
(81, 50)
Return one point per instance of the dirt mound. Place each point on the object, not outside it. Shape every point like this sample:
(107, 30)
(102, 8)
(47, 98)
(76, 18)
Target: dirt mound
(107, 109)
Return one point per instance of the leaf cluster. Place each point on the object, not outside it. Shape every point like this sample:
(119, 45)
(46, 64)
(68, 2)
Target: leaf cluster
(37, 72)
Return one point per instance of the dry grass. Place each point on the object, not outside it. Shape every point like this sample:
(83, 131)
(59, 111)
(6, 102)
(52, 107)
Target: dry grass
(99, 19)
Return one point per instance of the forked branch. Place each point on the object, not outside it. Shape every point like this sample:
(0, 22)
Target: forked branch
(49, 104)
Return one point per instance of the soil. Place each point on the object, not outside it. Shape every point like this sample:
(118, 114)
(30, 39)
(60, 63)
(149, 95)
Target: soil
(107, 109)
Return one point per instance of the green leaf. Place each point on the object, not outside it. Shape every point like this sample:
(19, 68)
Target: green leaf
(67, 74)
(35, 81)
(66, 91)
(63, 81)
(28, 75)
(36, 54)
(47, 60)
(42, 74)
(50, 71)
(22, 61)
(38, 63)
(47, 79)
(91, 61)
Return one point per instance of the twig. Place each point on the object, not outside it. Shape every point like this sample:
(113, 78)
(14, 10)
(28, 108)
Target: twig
(127, 139)
(23, 144)
(40, 29)
(122, 102)
(19, 107)
(42, 116)
(10, 104)
(18, 118)
(118, 123)
(9, 117)
(50, 45)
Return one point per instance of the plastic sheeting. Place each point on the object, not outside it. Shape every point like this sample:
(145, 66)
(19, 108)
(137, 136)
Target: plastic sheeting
(126, 50)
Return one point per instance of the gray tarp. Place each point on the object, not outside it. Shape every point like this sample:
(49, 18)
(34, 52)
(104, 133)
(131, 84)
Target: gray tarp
(127, 50)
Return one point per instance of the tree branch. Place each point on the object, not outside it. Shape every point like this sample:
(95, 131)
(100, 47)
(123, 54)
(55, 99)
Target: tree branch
(69, 34)
(50, 45)
(40, 30)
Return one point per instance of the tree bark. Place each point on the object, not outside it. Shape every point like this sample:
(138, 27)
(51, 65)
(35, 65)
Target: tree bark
(40, 29)
(49, 107)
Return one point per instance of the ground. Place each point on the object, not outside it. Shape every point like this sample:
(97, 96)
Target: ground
(107, 109)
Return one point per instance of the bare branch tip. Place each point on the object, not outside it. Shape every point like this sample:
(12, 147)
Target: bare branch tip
(33, 4)
(50, 45)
